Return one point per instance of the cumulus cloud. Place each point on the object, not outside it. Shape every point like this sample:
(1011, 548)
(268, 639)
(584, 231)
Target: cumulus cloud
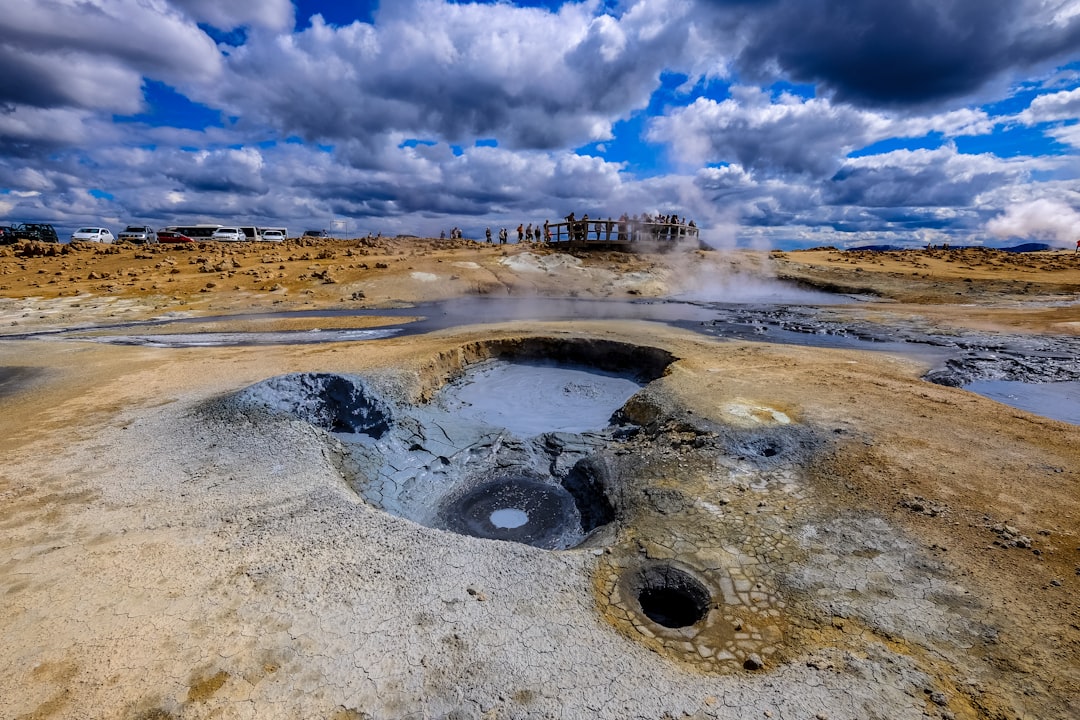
(94, 54)
(531, 77)
(540, 82)
(1052, 107)
(272, 14)
(790, 134)
(1043, 219)
(922, 178)
(898, 52)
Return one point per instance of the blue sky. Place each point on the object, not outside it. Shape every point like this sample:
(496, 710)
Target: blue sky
(779, 123)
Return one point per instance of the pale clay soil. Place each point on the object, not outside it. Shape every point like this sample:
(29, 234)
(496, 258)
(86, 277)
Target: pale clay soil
(912, 550)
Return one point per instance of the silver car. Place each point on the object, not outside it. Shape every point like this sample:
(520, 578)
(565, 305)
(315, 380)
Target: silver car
(140, 234)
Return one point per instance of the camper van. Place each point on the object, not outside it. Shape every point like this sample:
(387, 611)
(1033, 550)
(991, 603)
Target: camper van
(251, 233)
(199, 233)
(284, 231)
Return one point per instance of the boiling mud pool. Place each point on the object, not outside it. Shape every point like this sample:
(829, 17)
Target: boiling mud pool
(1059, 400)
(509, 518)
(530, 398)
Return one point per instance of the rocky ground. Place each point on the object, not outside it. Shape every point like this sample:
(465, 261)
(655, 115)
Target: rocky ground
(871, 544)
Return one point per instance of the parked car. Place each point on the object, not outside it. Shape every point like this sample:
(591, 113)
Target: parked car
(7, 235)
(42, 232)
(93, 234)
(137, 234)
(273, 236)
(171, 236)
(228, 234)
(316, 234)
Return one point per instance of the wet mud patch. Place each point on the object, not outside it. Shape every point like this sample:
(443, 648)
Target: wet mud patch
(14, 380)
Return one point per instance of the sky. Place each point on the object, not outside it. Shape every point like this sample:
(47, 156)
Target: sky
(771, 123)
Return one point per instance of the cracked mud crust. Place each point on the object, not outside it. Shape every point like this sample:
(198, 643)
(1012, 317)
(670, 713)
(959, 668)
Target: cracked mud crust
(871, 545)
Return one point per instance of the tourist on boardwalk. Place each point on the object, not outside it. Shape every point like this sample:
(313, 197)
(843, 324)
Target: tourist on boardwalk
(547, 231)
(521, 233)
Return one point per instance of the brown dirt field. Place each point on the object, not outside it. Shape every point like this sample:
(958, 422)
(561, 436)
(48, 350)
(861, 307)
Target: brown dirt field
(960, 475)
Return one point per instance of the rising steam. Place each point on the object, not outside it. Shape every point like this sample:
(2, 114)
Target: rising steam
(1049, 220)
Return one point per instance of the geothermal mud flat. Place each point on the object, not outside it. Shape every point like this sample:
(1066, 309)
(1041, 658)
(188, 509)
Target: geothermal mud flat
(757, 531)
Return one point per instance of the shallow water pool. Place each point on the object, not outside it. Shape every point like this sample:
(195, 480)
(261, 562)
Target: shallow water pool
(530, 398)
(1056, 400)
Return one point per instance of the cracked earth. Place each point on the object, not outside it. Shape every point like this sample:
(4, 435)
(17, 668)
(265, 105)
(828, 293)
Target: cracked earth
(872, 545)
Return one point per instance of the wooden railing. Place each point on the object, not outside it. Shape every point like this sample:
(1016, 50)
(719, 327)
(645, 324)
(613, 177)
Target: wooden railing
(615, 231)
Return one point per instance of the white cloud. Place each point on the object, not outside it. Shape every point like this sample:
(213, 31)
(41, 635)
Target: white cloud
(1043, 219)
(1064, 105)
(459, 72)
(95, 53)
(229, 14)
(790, 134)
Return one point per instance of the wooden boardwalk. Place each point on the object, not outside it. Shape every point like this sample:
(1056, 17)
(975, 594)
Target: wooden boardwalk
(625, 236)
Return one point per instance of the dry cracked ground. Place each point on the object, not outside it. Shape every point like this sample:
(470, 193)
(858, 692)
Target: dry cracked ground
(856, 542)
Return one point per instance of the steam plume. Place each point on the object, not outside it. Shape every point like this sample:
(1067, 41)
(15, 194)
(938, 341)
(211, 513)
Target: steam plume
(1049, 220)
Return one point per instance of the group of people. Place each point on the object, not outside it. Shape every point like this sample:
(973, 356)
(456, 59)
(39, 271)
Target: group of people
(525, 233)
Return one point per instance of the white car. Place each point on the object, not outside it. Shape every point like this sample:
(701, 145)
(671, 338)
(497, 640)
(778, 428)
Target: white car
(228, 234)
(273, 236)
(92, 234)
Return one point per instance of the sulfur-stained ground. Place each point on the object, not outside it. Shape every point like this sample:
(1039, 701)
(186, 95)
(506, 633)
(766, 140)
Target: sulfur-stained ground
(873, 545)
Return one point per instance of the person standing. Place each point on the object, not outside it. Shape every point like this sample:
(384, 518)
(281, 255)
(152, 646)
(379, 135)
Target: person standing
(488, 234)
(547, 231)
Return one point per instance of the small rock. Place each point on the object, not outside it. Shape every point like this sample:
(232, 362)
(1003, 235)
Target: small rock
(1055, 582)
(938, 698)
(753, 662)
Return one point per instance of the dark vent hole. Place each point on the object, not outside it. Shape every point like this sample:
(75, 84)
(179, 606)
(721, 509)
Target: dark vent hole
(672, 598)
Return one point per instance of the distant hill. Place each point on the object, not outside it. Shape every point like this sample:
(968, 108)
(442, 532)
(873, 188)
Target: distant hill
(880, 248)
(1028, 247)
(1023, 248)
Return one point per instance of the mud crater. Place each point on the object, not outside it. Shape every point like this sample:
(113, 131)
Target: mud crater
(508, 440)
(689, 518)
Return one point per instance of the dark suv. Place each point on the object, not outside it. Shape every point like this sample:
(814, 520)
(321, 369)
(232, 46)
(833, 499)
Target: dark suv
(36, 231)
(7, 235)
